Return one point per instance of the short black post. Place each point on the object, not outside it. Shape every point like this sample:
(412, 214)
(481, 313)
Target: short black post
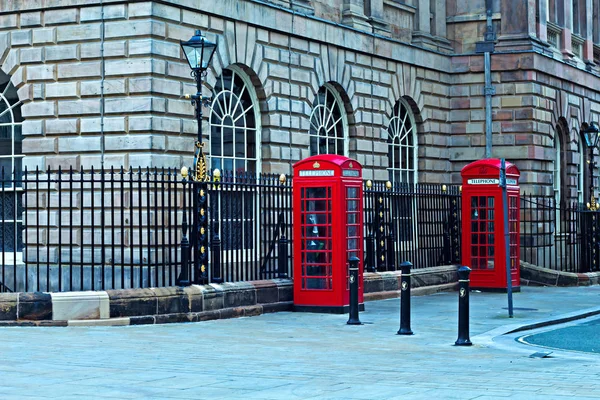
(353, 277)
(371, 257)
(463, 307)
(405, 299)
(282, 258)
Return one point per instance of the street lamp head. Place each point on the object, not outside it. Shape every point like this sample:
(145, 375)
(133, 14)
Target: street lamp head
(591, 134)
(199, 51)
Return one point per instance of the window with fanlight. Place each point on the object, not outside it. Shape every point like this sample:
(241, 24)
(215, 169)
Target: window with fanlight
(402, 149)
(235, 151)
(234, 124)
(328, 123)
(11, 211)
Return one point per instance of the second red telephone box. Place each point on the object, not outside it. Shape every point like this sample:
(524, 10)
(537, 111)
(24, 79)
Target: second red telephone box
(328, 230)
(483, 236)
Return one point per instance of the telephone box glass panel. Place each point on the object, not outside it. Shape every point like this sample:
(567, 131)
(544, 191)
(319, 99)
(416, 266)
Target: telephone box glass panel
(482, 232)
(316, 237)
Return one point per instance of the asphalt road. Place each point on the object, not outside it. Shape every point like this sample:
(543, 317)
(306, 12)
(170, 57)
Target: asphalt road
(580, 336)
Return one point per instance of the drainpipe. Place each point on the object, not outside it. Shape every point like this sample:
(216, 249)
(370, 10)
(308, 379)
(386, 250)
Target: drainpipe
(487, 48)
(102, 78)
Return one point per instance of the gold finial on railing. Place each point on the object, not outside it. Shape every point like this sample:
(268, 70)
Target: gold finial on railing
(217, 175)
(388, 184)
(184, 172)
(369, 184)
(282, 178)
(444, 187)
(460, 188)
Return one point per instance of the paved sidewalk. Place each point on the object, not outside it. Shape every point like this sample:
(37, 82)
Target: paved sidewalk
(302, 356)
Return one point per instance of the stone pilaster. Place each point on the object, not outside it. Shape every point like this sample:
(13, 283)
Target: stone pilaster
(518, 25)
(422, 35)
(588, 44)
(566, 46)
(542, 26)
(353, 14)
(374, 11)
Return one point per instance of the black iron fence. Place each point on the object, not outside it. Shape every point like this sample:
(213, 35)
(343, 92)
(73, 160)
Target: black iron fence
(563, 237)
(417, 223)
(111, 229)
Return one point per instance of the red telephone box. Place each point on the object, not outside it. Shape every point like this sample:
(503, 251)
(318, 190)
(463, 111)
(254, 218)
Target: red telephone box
(483, 237)
(328, 230)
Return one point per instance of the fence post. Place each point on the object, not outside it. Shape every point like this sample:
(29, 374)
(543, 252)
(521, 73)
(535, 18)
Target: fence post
(405, 299)
(463, 307)
(215, 245)
(454, 227)
(371, 258)
(353, 278)
(282, 250)
(390, 239)
(184, 278)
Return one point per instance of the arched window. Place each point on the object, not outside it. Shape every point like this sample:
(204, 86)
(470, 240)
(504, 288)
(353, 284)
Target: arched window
(11, 157)
(10, 128)
(328, 123)
(402, 149)
(234, 124)
(557, 167)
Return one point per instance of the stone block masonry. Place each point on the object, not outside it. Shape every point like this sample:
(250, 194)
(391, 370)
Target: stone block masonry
(94, 65)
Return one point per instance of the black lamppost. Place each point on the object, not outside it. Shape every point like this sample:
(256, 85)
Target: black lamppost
(591, 134)
(199, 52)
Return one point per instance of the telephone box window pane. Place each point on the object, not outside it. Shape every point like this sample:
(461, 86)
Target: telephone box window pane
(474, 238)
(351, 218)
(490, 214)
(490, 202)
(352, 193)
(352, 205)
(473, 202)
(352, 244)
(352, 231)
(481, 201)
(490, 227)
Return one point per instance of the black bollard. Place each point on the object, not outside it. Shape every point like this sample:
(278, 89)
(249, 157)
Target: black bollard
(405, 299)
(282, 258)
(353, 277)
(463, 307)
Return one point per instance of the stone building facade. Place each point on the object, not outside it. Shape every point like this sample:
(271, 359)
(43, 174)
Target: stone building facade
(398, 85)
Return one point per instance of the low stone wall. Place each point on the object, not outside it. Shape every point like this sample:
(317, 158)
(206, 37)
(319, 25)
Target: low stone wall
(147, 306)
(386, 285)
(532, 275)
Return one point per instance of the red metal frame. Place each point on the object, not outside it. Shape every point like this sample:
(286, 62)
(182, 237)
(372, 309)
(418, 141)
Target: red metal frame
(325, 188)
(483, 240)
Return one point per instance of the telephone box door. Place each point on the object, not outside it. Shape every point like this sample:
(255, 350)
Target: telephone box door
(316, 242)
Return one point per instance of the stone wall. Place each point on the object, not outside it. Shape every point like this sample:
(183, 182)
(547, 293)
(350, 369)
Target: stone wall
(119, 101)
